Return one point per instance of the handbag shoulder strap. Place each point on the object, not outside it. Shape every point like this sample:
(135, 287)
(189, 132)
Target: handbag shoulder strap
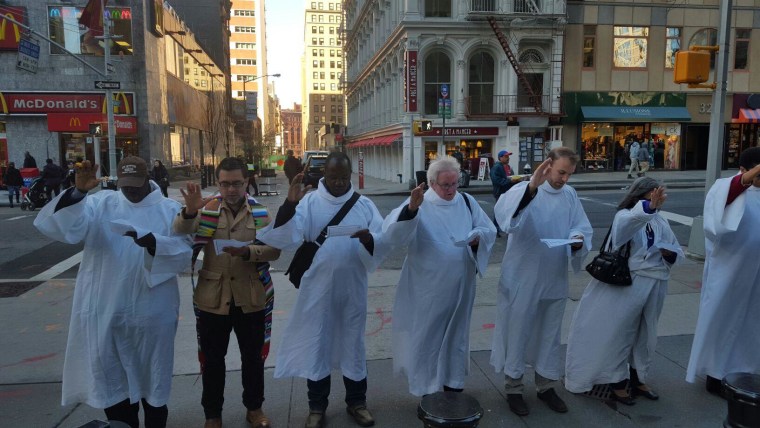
(627, 246)
(338, 217)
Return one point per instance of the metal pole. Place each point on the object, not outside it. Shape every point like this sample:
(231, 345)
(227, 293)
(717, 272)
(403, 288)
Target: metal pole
(717, 124)
(109, 95)
(412, 177)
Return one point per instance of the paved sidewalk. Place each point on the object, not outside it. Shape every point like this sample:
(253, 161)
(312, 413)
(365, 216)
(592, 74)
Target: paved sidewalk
(35, 327)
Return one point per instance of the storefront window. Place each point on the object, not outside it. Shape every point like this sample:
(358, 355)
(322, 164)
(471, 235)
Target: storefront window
(666, 143)
(63, 25)
(597, 150)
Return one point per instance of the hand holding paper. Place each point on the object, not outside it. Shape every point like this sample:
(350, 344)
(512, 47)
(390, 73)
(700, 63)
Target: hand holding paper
(551, 243)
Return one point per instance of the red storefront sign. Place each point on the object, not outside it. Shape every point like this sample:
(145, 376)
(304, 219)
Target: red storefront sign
(10, 33)
(31, 103)
(411, 81)
(463, 132)
(80, 123)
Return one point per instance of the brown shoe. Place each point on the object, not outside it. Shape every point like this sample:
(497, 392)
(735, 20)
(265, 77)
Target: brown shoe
(361, 415)
(213, 423)
(315, 419)
(257, 419)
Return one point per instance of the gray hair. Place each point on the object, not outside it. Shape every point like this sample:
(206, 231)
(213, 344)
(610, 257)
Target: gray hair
(640, 187)
(444, 164)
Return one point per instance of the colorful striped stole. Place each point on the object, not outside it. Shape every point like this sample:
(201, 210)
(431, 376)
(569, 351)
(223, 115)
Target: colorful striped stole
(209, 222)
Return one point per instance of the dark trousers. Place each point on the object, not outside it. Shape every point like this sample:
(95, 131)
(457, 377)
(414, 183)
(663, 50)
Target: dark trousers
(356, 392)
(49, 189)
(14, 190)
(214, 333)
(155, 417)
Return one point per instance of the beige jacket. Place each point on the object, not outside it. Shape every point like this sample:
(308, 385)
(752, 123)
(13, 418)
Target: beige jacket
(224, 277)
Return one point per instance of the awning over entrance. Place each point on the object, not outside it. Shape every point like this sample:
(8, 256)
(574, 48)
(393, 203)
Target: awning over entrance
(635, 114)
(385, 140)
(748, 115)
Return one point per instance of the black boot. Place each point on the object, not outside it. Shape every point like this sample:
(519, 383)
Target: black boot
(10, 199)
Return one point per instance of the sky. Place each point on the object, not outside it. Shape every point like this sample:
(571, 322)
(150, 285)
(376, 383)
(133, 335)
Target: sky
(285, 20)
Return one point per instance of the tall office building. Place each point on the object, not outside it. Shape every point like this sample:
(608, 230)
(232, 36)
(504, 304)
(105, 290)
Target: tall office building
(323, 69)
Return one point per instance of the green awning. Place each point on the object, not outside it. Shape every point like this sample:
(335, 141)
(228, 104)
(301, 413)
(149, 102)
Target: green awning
(635, 114)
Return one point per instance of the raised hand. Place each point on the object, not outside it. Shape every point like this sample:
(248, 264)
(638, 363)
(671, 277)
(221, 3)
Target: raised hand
(85, 176)
(417, 196)
(295, 191)
(194, 200)
(657, 198)
(540, 175)
(751, 176)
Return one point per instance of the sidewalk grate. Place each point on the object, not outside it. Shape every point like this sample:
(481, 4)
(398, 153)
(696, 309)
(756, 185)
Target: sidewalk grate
(15, 289)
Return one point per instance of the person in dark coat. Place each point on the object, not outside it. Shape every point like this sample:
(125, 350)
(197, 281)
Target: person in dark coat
(292, 166)
(29, 161)
(12, 179)
(53, 176)
(160, 175)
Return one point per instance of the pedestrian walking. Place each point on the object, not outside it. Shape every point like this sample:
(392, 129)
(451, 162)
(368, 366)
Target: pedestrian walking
(234, 289)
(613, 334)
(326, 327)
(292, 166)
(644, 159)
(633, 155)
(533, 286)
(13, 181)
(53, 176)
(120, 349)
(160, 175)
(726, 338)
(501, 180)
(449, 239)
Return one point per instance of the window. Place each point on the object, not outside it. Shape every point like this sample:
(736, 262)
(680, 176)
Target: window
(438, 8)
(316, 86)
(322, 86)
(245, 61)
(524, 100)
(242, 12)
(481, 83)
(316, 108)
(321, 52)
(332, 52)
(339, 52)
(741, 50)
(331, 18)
(244, 29)
(321, 41)
(672, 45)
(321, 30)
(340, 64)
(322, 75)
(63, 25)
(204, 83)
(321, 64)
(333, 87)
(313, 29)
(332, 30)
(239, 45)
(589, 45)
(630, 47)
(437, 72)
(322, 97)
(320, 6)
(314, 52)
(706, 37)
(331, 6)
(332, 75)
(315, 75)
(313, 5)
(332, 64)
(316, 119)
(314, 63)
(314, 41)
(244, 77)
(324, 108)
(332, 108)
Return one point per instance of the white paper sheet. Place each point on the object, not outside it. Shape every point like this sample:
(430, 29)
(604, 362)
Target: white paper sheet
(342, 230)
(551, 243)
(120, 227)
(219, 244)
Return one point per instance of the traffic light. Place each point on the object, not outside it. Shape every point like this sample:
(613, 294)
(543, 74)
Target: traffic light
(421, 126)
(96, 129)
(692, 67)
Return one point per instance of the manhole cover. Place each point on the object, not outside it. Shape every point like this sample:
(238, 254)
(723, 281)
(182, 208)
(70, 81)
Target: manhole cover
(15, 289)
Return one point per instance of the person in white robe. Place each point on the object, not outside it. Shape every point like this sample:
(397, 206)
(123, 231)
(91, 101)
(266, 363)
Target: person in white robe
(613, 334)
(726, 339)
(326, 327)
(120, 348)
(450, 243)
(533, 286)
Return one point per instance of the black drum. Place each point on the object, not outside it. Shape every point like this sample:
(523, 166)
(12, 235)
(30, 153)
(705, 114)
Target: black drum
(449, 410)
(742, 392)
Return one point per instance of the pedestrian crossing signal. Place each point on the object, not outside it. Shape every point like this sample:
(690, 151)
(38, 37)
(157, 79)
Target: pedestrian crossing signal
(421, 126)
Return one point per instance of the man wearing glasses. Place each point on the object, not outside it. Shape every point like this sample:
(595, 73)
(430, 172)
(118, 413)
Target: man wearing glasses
(231, 293)
(433, 307)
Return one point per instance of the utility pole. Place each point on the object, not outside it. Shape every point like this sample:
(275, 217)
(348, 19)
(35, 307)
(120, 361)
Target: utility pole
(109, 97)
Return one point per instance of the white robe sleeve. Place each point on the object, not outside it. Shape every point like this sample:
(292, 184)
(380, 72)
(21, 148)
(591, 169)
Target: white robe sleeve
(172, 256)
(719, 218)
(70, 224)
(289, 235)
(485, 230)
(579, 226)
(398, 233)
(381, 245)
(628, 223)
(507, 205)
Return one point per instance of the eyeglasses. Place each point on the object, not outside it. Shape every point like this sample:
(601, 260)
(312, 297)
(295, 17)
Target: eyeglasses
(227, 185)
(447, 186)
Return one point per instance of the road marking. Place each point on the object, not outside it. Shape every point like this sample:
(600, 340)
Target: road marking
(59, 268)
(677, 218)
(16, 218)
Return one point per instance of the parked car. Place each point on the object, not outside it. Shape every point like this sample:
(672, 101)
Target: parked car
(314, 170)
(309, 153)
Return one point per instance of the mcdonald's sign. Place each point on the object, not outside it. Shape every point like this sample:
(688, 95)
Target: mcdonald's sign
(38, 103)
(10, 33)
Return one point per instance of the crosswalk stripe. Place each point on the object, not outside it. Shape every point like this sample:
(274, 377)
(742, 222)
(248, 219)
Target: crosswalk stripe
(677, 218)
(58, 268)
(16, 218)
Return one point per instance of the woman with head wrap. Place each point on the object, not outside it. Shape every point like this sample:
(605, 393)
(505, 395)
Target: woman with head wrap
(614, 330)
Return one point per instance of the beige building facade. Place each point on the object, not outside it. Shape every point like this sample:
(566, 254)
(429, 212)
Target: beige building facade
(621, 89)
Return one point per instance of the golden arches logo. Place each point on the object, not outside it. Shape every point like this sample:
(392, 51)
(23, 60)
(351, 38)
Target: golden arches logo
(3, 103)
(124, 103)
(74, 121)
(16, 30)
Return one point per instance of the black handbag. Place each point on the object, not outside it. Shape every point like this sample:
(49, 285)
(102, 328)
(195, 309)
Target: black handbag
(611, 267)
(305, 253)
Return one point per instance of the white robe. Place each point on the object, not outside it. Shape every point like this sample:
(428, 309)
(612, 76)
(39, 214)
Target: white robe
(327, 323)
(617, 325)
(126, 302)
(726, 339)
(436, 291)
(534, 278)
